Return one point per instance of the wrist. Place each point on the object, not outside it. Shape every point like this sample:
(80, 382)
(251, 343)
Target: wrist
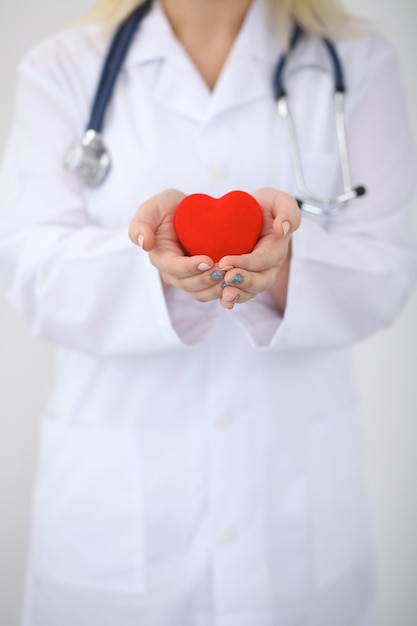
(279, 289)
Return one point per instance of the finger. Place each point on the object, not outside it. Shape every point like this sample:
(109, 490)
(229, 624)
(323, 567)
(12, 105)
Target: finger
(233, 295)
(191, 279)
(176, 266)
(213, 292)
(282, 207)
(268, 252)
(151, 214)
(251, 283)
(229, 297)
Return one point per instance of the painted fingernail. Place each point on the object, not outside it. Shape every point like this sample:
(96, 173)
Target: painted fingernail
(285, 227)
(141, 239)
(203, 267)
(225, 285)
(216, 275)
(236, 280)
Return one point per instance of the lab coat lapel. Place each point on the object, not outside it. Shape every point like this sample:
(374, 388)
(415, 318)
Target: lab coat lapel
(245, 77)
(180, 87)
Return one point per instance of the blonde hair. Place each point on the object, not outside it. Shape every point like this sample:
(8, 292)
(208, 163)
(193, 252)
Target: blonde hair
(324, 17)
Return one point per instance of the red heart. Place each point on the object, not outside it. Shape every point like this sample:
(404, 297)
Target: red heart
(218, 226)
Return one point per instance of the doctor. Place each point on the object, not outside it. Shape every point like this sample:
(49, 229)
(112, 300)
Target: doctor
(200, 456)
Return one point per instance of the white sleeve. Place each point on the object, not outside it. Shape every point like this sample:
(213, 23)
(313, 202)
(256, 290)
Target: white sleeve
(75, 283)
(351, 274)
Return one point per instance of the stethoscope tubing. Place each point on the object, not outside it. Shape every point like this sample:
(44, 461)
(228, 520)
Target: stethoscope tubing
(113, 64)
(311, 203)
(91, 160)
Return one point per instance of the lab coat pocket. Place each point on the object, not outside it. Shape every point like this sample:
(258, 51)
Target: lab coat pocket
(88, 522)
(337, 496)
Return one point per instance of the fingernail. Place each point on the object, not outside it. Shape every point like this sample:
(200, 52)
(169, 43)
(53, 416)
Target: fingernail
(236, 299)
(225, 285)
(216, 275)
(141, 239)
(286, 227)
(227, 268)
(236, 280)
(203, 267)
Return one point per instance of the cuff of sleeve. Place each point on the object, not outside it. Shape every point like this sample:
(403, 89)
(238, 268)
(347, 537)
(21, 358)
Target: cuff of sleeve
(259, 319)
(191, 320)
(168, 333)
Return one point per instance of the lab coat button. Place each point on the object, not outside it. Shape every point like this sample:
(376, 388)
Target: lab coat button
(218, 172)
(224, 421)
(227, 538)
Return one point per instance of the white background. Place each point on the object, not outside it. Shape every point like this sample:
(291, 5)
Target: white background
(386, 364)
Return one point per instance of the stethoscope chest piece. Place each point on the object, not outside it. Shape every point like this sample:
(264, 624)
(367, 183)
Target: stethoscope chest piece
(89, 159)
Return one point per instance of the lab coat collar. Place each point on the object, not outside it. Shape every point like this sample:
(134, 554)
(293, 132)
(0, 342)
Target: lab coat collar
(180, 87)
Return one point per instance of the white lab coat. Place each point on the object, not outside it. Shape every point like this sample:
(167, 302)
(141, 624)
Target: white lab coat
(197, 466)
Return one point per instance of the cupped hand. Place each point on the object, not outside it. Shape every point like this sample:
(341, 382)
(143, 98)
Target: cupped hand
(152, 227)
(247, 275)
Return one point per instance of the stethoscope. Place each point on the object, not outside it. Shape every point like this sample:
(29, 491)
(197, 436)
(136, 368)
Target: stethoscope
(90, 159)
